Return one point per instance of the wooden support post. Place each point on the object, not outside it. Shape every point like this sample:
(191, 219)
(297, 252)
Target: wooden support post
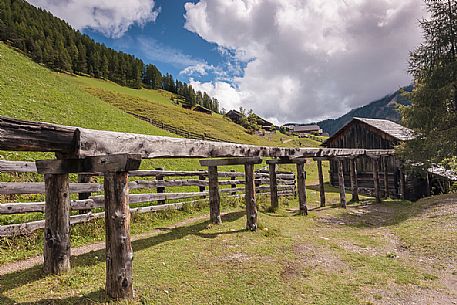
(428, 191)
(214, 197)
(385, 164)
(301, 186)
(233, 186)
(402, 182)
(321, 183)
(354, 184)
(273, 187)
(377, 191)
(83, 178)
(251, 208)
(160, 189)
(119, 252)
(201, 188)
(57, 224)
(341, 183)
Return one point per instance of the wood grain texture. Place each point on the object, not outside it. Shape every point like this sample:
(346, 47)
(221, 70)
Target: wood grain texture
(320, 175)
(119, 253)
(301, 188)
(377, 190)
(353, 177)
(251, 207)
(273, 187)
(57, 225)
(214, 197)
(341, 184)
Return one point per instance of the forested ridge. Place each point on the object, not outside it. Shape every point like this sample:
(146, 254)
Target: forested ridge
(54, 43)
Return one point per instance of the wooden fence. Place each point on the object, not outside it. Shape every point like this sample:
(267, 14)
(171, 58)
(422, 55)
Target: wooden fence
(162, 180)
(178, 131)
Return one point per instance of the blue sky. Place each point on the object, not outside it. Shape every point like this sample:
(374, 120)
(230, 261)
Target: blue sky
(288, 60)
(166, 43)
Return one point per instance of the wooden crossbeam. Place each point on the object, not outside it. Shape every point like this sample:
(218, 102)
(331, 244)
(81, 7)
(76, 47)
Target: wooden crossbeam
(97, 164)
(231, 161)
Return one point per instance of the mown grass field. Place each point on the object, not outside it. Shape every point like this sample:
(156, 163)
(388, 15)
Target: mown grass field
(390, 253)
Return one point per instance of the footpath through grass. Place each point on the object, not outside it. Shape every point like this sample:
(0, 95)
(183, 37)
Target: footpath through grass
(367, 254)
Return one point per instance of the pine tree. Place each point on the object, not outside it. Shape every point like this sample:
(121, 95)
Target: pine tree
(433, 114)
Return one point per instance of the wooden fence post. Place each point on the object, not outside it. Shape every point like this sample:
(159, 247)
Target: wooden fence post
(160, 189)
(57, 224)
(301, 186)
(119, 254)
(341, 183)
(386, 176)
(273, 187)
(376, 180)
(201, 188)
(214, 197)
(321, 182)
(402, 181)
(233, 186)
(251, 208)
(83, 178)
(354, 184)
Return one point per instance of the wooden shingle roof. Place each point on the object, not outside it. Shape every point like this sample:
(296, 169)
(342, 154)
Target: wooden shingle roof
(393, 129)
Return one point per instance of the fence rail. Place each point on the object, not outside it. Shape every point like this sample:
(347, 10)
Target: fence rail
(285, 181)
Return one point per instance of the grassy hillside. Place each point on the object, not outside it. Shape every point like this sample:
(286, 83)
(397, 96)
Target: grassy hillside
(157, 105)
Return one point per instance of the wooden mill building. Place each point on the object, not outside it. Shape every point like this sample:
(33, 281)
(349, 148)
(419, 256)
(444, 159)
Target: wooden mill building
(372, 134)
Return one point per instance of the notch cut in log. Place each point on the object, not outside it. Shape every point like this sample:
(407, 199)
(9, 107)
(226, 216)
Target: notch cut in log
(57, 224)
(98, 164)
(119, 253)
(214, 197)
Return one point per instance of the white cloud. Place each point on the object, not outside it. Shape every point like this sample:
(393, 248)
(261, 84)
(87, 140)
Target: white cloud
(111, 18)
(228, 97)
(199, 69)
(311, 59)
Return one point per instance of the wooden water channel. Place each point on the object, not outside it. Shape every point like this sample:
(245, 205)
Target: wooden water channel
(115, 156)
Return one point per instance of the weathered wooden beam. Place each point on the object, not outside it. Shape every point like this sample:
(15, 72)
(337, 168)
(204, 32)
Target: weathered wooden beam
(17, 167)
(119, 253)
(97, 164)
(321, 183)
(301, 188)
(273, 187)
(202, 178)
(251, 207)
(353, 176)
(377, 190)
(214, 197)
(9, 188)
(231, 161)
(341, 183)
(22, 135)
(57, 224)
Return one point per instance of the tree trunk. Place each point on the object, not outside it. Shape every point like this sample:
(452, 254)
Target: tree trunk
(119, 254)
(57, 224)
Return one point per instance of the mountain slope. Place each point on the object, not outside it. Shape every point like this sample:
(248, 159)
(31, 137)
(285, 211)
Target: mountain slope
(385, 108)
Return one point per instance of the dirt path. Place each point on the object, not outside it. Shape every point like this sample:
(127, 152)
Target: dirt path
(38, 260)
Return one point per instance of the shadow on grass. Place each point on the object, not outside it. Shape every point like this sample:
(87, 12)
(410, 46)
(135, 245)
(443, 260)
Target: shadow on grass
(21, 278)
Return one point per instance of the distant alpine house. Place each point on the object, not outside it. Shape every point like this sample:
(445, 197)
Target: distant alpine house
(381, 134)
